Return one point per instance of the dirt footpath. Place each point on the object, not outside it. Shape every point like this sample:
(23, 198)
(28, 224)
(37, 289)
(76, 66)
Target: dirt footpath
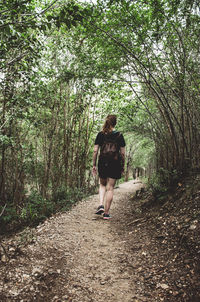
(74, 256)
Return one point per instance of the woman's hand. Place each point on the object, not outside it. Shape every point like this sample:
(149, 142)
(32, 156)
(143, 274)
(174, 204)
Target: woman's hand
(95, 153)
(94, 170)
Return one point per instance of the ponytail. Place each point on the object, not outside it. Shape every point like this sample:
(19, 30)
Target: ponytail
(110, 123)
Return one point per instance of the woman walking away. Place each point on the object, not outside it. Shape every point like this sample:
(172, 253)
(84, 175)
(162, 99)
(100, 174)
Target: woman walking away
(110, 162)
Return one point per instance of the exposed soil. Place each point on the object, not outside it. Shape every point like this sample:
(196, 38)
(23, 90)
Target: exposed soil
(76, 256)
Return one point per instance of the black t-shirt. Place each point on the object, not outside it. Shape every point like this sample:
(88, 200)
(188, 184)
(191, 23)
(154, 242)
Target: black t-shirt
(100, 138)
(111, 168)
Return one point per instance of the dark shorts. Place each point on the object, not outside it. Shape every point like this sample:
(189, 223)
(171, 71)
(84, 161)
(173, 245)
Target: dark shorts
(111, 169)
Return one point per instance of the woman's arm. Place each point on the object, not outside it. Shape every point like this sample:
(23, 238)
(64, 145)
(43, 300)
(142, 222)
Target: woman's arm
(123, 152)
(95, 153)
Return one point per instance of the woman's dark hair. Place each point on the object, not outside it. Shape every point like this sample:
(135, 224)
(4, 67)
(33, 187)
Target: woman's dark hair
(110, 123)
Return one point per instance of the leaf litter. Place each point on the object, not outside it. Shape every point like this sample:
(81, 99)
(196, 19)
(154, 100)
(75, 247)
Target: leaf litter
(149, 251)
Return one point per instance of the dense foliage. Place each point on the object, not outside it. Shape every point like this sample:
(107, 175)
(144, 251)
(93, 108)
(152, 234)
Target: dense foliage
(64, 66)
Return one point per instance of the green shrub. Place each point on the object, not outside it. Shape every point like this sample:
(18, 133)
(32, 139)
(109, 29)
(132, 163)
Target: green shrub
(160, 181)
(64, 197)
(36, 208)
(9, 214)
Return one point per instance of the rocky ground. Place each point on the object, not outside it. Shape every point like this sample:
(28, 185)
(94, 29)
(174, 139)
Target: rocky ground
(146, 252)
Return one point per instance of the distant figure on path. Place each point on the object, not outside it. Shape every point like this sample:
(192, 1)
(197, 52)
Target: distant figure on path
(110, 162)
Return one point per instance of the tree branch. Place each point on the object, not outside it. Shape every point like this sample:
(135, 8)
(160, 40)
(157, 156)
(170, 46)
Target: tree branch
(3, 209)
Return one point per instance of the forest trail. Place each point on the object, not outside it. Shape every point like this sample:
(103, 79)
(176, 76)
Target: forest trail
(76, 256)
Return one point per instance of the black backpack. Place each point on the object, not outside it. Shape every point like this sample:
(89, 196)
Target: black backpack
(110, 148)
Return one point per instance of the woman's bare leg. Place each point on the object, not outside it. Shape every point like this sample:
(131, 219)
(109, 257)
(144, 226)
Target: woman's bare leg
(109, 194)
(102, 190)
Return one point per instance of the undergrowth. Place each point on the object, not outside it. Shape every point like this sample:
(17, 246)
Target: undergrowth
(35, 208)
